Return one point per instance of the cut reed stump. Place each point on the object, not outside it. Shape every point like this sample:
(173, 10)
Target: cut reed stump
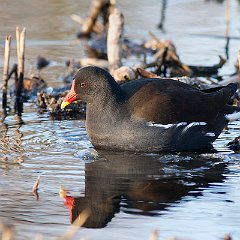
(5, 71)
(20, 38)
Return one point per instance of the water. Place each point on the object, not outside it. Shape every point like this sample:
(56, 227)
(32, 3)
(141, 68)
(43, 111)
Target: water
(191, 196)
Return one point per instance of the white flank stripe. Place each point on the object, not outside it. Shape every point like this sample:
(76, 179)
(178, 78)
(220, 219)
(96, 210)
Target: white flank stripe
(166, 126)
(152, 124)
(193, 124)
(233, 116)
(210, 134)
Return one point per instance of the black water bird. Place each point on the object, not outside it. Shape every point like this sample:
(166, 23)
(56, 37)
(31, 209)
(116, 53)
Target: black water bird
(150, 115)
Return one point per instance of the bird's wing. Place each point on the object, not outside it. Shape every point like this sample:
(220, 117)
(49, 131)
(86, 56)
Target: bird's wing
(168, 101)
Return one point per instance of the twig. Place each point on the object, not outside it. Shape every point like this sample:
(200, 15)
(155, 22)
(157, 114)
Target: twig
(5, 70)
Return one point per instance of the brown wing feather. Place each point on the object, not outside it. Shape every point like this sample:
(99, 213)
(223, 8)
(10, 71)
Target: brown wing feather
(171, 102)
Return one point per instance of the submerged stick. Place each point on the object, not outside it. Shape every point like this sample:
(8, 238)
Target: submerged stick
(5, 70)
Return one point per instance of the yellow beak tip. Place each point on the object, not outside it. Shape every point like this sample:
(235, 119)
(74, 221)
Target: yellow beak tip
(64, 104)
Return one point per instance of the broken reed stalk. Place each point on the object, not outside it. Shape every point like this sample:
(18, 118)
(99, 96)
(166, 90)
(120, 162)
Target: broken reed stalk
(114, 40)
(5, 70)
(20, 38)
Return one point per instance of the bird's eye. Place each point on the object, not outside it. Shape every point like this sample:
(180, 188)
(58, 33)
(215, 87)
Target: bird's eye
(83, 85)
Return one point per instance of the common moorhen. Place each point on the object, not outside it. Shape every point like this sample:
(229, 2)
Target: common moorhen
(151, 114)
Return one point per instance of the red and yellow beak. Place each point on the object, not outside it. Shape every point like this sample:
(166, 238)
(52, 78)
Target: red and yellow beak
(71, 96)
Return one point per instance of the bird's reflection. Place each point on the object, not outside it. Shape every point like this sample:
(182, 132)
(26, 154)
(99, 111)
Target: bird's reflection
(141, 184)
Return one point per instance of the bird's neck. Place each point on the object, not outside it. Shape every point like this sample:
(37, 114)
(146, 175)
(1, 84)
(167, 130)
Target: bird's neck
(105, 110)
(107, 99)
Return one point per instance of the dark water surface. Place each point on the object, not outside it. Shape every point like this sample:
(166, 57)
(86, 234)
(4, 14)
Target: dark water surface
(191, 196)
